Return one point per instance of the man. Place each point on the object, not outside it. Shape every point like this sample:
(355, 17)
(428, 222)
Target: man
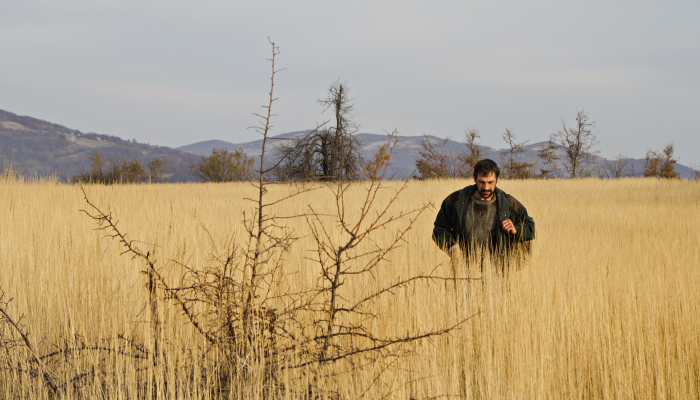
(481, 220)
(481, 215)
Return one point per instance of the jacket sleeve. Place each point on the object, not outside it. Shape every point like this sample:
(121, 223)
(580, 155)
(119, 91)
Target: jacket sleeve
(524, 223)
(444, 231)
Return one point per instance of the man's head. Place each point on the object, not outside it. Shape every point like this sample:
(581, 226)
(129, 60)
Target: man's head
(486, 174)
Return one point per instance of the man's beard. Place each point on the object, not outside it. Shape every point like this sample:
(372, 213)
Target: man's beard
(485, 193)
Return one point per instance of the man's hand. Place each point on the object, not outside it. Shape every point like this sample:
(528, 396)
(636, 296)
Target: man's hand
(508, 226)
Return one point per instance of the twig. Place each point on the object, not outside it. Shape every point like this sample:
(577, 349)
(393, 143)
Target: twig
(388, 343)
(106, 222)
(44, 370)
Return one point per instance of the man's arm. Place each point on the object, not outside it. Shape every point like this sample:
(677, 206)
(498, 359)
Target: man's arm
(444, 234)
(522, 223)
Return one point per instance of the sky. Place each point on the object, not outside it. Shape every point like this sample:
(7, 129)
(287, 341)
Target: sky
(175, 72)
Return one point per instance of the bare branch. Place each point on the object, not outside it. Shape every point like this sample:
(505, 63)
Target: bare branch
(48, 380)
(578, 144)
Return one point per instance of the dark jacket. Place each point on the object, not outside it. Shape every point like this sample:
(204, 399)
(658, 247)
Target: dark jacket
(448, 224)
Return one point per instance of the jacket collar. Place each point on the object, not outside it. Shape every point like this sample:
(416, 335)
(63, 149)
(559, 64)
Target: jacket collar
(501, 199)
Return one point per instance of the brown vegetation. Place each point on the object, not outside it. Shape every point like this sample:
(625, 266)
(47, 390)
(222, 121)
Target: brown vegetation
(661, 163)
(224, 166)
(605, 308)
(615, 168)
(549, 157)
(512, 166)
(467, 159)
(436, 161)
(123, 170)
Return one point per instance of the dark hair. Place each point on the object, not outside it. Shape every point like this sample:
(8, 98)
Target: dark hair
(485, 167)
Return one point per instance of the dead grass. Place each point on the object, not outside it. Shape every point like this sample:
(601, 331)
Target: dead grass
(606, 308)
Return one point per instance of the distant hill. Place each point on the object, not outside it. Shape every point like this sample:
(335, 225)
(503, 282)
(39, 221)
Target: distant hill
(406, 153)
(37, 147)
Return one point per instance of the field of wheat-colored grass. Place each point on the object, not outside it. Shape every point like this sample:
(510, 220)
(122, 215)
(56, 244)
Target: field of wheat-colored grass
(606, 307)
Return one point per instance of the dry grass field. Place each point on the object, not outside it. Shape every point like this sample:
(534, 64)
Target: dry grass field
(606, 307)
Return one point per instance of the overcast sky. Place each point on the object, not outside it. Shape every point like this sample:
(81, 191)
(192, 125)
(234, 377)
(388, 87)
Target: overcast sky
(178, 72)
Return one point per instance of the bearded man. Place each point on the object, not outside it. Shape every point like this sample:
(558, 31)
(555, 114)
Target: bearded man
(483, 217)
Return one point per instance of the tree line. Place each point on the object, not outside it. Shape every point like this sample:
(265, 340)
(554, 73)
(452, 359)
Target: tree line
(576, 145)
(332, 152)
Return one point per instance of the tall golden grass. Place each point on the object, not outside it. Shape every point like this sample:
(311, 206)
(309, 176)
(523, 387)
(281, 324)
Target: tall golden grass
(606, 307)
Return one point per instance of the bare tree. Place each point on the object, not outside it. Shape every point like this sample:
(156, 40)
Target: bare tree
(614, 169)
(96, 172)
(157, 169)
(340, 155)
(661, 163)
(578, 144)
(467, 159)
(326, 153)
(549, 157)
(511, 164)
(436, 162)
(341, 258)
(696, 171)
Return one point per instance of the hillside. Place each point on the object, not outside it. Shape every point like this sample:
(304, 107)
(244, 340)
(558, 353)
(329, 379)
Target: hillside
(37, 147)
(40, 148)
(406, 153)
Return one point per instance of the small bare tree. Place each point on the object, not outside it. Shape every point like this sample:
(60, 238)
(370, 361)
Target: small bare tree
(157, 169)
(615, 168)
(661, 163)
(344, 255)
(96, 172)
(467, 159)
(549, 157)
(511, 164)
(696, 171)
(436, 162)
(578, 144)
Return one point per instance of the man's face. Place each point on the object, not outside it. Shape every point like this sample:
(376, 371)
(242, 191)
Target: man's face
(486, 184)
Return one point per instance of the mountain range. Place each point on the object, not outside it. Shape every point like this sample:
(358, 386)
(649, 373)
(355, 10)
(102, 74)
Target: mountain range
(40, 148)
(403, 162)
